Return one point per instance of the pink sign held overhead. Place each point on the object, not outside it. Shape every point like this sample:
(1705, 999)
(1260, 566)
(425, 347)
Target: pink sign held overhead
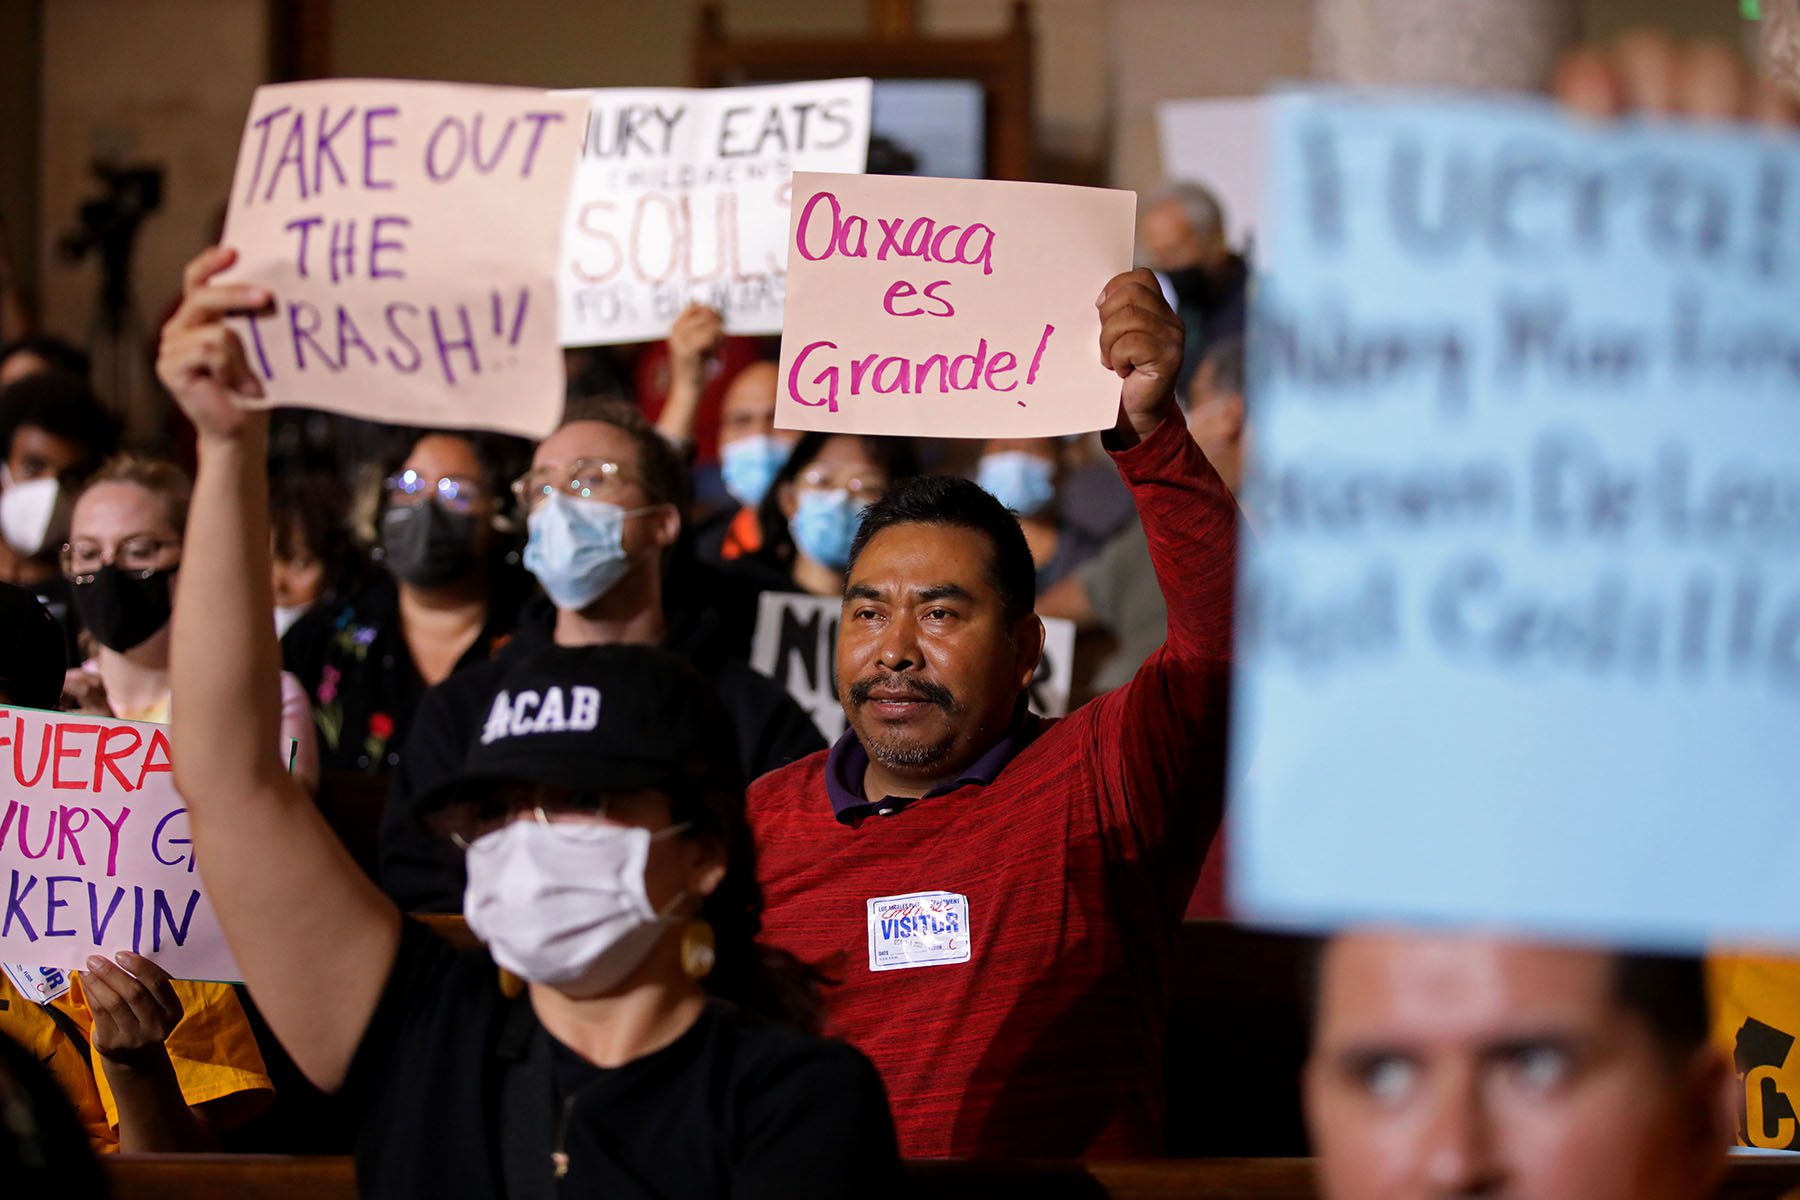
(949, 307)
(95, 855)
(410, 234)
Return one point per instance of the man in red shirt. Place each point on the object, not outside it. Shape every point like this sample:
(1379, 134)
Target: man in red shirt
(998, 895)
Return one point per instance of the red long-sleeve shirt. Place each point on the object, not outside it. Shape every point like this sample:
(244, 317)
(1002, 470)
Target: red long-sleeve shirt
(1077, 858)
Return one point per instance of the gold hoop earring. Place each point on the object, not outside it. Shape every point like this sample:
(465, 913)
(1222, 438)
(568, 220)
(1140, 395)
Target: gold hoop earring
(698, 953)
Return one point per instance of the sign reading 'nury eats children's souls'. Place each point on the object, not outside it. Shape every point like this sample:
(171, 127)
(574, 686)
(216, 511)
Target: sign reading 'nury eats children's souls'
(949, 307)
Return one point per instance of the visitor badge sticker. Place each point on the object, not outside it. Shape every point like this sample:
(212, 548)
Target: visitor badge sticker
(40, 985)
(919, 929)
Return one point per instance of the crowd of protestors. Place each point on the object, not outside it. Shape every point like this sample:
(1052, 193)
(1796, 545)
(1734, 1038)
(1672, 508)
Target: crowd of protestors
(689, 982)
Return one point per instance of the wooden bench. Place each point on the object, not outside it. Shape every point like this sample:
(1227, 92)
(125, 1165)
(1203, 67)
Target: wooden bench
(252, 1177)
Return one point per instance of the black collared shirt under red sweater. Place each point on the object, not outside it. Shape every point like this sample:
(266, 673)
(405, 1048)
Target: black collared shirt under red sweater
(1077, 858)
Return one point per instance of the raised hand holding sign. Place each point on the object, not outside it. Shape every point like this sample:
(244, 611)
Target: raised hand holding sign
(408, 234)
(949, 308)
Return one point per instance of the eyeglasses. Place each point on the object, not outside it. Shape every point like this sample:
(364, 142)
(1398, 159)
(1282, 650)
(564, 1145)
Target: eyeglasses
(458, 493)
(584, 479)
(141, 552)
(820, 478)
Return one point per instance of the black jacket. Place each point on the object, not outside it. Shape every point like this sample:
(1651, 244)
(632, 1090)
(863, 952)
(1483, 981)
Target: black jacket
(423, 873)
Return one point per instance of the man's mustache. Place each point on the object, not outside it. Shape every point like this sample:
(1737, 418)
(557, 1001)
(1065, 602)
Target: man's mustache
(911, 689)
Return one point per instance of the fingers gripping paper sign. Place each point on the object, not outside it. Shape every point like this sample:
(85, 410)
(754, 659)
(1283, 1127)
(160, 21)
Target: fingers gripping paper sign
(949, 307)
(409, 233)
(1519, 633)
(95, 855)
(682, 197)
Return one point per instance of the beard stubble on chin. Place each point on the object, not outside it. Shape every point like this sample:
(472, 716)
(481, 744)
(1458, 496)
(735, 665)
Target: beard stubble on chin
(893, 749)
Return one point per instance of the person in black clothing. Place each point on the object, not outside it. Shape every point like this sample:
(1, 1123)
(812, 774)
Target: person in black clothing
(32, 658)
(637, 1048)
(43, 1149)
(1183, 235)
(54, 434)
(445, 598)
(605, 496)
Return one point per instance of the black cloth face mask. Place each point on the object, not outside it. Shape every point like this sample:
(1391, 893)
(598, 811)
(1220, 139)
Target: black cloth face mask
(123, 609)
(426, 545)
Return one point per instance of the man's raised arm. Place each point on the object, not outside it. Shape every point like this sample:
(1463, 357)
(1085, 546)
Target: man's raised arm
(1160, 740)
(314, 938)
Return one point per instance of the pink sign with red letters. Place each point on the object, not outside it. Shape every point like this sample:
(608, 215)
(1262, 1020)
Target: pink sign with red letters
(949, 307)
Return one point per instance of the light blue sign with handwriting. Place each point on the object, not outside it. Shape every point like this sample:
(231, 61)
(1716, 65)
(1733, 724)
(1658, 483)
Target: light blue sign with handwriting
(1519, 618)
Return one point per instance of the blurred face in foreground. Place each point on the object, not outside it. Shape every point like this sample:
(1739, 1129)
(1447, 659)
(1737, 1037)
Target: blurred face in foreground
(1462, 1066)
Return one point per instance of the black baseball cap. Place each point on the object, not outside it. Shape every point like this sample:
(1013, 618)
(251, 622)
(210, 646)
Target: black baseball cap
(33, 657)
(599, 719)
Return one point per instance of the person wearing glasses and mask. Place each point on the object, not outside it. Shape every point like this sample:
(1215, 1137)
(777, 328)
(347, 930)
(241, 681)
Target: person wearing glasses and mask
(1023, 474)
(812, 506)
(443, 599)
(636, 1044)
(603, 502)
(152, 1063)
(121, 562)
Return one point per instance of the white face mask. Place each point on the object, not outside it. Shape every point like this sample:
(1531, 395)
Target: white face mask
(286, 615)
(563, 903)
(25, 511)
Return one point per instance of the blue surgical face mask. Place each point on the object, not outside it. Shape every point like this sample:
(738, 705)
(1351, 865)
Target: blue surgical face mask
(576, 548)
(749, 465)
(824, 525)
(1023, 482)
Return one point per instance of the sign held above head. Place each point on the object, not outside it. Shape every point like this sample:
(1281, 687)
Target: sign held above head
(1519, 633)
(409, 234)
(949, 307)
(681, 197)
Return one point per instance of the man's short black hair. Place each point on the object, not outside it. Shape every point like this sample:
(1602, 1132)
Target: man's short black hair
(1668, 991)
(64, 406)
(959, 503)
(56, 353)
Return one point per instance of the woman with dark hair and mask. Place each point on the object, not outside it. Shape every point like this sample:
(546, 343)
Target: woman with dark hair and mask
(445, 597)
(636, 1044)
(152, 1063)
(810, 511)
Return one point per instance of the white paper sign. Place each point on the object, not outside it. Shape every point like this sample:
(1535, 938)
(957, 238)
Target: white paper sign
(1222, 144)
(682, 196)
(95, 854)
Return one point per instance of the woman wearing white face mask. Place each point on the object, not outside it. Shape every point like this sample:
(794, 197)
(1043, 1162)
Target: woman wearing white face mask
(53, 434)
(630, 1065)
(651, 1029)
